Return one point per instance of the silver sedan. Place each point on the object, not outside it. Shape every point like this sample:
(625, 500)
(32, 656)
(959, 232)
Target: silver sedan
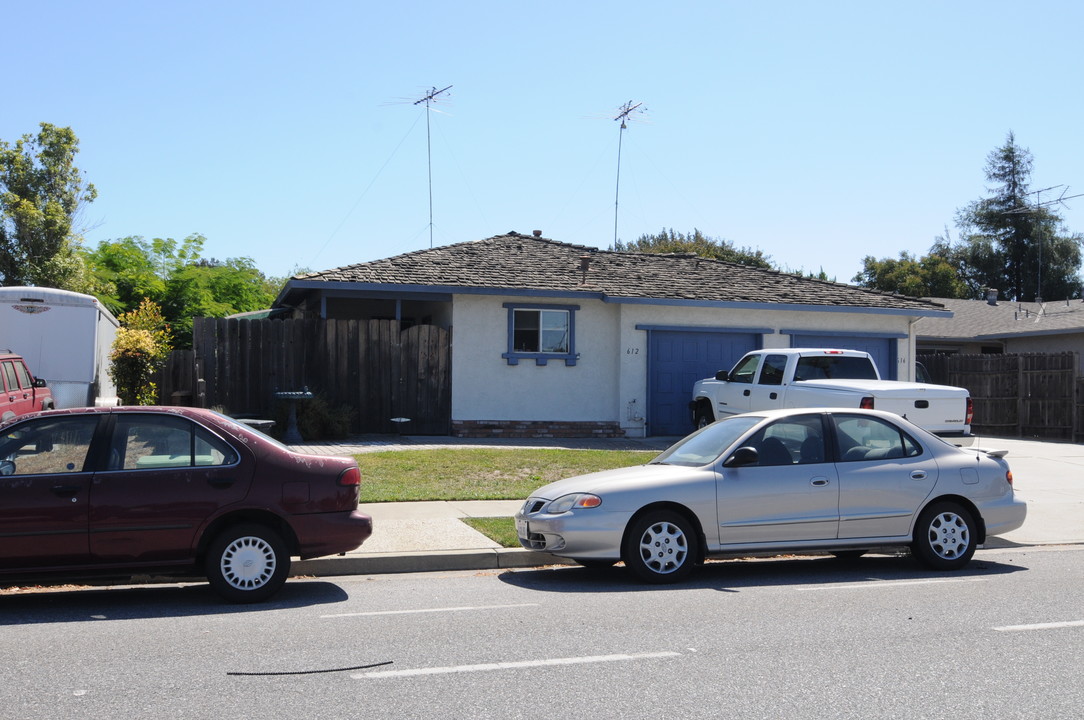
(841, 481)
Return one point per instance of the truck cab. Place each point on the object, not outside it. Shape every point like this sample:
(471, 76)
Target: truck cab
(22, 393)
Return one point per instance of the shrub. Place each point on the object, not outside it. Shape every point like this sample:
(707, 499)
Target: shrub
(139, 350)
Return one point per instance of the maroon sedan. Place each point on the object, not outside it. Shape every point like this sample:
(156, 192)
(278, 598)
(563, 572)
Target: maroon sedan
(136, 490)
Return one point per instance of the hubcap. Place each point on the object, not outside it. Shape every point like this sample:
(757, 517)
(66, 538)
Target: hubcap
(664, 548)
(248, 563)
(949, 536)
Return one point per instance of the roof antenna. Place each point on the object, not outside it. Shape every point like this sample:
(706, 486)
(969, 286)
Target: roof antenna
(430, 97)
(623, 113)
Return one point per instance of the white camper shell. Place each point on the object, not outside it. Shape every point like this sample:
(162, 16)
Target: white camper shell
(65, 337)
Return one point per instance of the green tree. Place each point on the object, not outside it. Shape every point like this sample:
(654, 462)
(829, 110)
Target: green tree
(667, 241)
(929, 276)
(1012, 240)
(175, 276)
(41, 192)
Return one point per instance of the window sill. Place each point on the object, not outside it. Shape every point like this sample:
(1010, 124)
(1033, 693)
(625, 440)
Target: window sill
(514, 358)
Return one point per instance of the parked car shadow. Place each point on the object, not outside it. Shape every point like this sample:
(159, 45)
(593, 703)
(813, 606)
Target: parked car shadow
(735, 575)
(137, 602)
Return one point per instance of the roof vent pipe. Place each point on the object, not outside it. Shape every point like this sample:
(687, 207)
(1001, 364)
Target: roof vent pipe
(991, 296)
(536, 233)
(585, 266)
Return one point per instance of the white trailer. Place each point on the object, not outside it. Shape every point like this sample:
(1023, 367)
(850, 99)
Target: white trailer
(65, 337)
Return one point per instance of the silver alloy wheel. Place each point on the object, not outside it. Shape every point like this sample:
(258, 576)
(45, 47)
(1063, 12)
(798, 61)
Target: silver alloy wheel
(949, 536)
(664, 547)
(248, 562)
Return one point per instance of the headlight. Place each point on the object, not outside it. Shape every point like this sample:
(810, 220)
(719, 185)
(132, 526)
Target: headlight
(571, 502)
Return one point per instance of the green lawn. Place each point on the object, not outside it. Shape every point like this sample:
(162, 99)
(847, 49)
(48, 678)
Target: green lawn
(478, 473)
(501, 530)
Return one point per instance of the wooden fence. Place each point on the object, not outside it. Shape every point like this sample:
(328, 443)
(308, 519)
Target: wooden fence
(1024, 395)
(370, 366)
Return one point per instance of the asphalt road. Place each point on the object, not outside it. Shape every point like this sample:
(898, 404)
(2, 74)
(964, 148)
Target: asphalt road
(798, 638)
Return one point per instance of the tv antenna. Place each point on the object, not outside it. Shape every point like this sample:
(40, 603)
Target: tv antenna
(624, 113)
(1039, 205)
(429, 99)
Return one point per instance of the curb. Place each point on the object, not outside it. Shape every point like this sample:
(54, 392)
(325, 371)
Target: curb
(425, 561)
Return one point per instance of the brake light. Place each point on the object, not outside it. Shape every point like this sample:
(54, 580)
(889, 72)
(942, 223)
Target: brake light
(1008, 476)
(867, 403)
(350, 477)
(969, 415)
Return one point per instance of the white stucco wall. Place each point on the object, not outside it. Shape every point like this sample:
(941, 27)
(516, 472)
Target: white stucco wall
(486, 387)
(610, 379)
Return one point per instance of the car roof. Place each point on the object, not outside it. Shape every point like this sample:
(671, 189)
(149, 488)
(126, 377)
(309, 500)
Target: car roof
(155, 409)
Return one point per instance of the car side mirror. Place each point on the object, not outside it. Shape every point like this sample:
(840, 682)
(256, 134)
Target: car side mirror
(723, 375)
(7, 467)
(39, 382)
(741, 457)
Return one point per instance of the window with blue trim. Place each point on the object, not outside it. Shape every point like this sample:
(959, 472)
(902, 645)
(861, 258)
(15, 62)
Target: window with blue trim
(541, 333)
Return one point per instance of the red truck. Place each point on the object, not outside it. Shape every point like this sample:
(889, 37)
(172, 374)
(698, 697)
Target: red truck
(21, 392)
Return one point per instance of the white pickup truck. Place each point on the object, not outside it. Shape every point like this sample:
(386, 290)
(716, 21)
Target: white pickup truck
(818, 377)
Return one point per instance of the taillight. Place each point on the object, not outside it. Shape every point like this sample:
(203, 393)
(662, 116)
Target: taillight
(350, 477)
(1008, 476)
(867, 403)
(970, 413)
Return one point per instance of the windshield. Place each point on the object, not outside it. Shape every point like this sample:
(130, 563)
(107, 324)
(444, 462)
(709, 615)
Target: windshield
(708, 443)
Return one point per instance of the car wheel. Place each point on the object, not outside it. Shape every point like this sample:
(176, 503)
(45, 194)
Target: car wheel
(247, 563)
(661, 547)
(704, 416)
(944, 537)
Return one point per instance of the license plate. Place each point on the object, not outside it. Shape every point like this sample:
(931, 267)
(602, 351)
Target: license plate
(522, 528)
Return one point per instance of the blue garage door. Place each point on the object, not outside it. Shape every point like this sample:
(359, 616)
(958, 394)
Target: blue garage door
(882, 349)
(676, 360)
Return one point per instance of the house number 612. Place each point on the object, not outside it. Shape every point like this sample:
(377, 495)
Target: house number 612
(632, 351)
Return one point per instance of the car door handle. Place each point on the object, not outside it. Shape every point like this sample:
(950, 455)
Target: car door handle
(918, 475)
(66, 490)
(746, 393)
(818, 482)
(220, 482)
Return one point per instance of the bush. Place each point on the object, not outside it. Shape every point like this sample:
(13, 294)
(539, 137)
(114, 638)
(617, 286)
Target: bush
(138, 352)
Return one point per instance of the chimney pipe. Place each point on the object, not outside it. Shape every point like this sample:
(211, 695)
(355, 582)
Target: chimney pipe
(991, 296)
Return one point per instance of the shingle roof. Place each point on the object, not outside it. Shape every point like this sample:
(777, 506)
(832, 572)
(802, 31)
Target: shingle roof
(977, 319)
(520, 262)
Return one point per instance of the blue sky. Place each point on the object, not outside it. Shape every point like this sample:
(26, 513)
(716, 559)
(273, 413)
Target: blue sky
(818, 133)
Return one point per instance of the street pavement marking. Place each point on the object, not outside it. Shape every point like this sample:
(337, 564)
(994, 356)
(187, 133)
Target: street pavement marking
(890, 583)
(1041, 626)
(489, 667)
(464, 608)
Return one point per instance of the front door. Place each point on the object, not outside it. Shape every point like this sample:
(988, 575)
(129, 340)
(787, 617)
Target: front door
(45, 492)
(791, 494)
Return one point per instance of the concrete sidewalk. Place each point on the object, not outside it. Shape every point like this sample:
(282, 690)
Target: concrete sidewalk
(430, 536)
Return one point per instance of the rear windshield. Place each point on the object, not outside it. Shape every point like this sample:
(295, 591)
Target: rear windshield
(834, 367)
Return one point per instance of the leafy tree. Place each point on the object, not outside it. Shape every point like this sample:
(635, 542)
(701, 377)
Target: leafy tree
(175, 276)
(139, 349)
(41, 192)
(1010, 240)
(667, 241)
(929, 276)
